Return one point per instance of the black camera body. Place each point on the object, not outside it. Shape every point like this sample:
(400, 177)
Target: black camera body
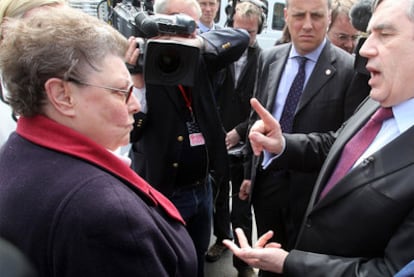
(163, 62)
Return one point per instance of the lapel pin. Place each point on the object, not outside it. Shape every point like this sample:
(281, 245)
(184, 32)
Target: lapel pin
(328, 72)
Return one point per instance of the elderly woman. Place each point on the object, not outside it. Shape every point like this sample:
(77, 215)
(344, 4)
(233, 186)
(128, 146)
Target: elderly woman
(66, 200)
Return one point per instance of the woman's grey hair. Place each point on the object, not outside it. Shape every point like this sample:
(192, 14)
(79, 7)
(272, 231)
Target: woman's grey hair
(60, 42)
(17, 8)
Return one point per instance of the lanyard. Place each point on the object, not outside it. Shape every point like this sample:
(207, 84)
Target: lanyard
(187, 97)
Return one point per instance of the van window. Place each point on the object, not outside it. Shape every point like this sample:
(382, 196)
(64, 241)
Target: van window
(272, 27)
(278, 21)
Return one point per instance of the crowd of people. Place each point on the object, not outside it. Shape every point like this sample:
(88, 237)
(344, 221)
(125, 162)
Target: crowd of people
(312, 137)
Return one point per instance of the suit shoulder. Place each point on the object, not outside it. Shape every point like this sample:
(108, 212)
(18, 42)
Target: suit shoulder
(272, 51)
(341, 55)
(269, 55)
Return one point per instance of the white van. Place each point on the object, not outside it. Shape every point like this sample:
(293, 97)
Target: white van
(273, 26)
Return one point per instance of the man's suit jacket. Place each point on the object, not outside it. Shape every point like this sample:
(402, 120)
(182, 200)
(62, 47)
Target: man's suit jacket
(324, 105)
(158, 136)
(234, 99)
(364, 226)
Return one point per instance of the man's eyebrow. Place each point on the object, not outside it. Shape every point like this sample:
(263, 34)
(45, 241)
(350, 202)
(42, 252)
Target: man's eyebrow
(381, 27)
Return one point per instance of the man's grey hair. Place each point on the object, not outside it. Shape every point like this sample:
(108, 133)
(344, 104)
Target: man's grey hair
(329, 3)
(163, 6)
(410, 10)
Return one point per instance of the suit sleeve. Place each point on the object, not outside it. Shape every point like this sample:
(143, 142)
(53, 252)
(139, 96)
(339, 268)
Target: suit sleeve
(305, 152)
(223, 47)
(397, 253)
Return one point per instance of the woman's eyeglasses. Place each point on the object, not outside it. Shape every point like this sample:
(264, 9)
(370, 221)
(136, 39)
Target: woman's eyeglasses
(126, 92)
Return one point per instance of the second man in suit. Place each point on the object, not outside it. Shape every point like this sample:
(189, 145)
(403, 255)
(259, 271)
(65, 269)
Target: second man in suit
(280, 196)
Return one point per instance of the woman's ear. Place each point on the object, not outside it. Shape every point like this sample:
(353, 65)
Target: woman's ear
(60, 95)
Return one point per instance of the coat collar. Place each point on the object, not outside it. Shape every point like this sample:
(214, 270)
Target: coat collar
(50, 134)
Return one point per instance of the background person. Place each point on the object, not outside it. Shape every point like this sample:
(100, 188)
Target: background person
(234, 109)
(221, 190)
(179, 139)
(361, 223)
(85, 212)
(341, 32)
(209, 9)
(280, 195)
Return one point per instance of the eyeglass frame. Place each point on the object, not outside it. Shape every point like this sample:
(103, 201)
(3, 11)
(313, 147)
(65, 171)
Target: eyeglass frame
(345, 37)
(126, 92)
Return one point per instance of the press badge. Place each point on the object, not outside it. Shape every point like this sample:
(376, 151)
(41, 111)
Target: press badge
(194, 134)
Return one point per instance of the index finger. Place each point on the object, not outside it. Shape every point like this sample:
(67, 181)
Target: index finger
(261, 111)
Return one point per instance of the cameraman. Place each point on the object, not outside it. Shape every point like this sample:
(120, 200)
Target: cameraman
(167, 149)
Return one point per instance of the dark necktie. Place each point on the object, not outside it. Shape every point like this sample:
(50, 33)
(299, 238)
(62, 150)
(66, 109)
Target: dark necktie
(356, 146)
(286, 120)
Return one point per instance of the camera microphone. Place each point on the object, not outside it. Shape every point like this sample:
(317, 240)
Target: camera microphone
(360, 14)
(146, 25)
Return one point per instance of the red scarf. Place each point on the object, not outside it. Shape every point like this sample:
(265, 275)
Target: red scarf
(50, 134)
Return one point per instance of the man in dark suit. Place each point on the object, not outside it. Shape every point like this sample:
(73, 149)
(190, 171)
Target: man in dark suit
(234, 108)
(363, 225)
(179, 138)
(280, 197)
(221, 207)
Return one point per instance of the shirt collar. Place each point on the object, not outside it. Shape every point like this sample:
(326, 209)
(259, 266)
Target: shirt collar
(404, 115)
(203, 28)
(312, 56)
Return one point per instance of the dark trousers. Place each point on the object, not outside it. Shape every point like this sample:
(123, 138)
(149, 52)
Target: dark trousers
(270, 204)
(221, 211)
(241, 213)
(195, 206)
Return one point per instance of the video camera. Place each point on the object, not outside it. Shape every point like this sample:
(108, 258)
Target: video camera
(162, 62)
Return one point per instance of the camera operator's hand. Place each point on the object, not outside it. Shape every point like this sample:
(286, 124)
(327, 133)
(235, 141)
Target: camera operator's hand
(131, 57)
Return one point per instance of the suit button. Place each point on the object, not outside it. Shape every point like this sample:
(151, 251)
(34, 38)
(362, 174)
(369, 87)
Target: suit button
(309, 223)
(180, 138)
(175, 165)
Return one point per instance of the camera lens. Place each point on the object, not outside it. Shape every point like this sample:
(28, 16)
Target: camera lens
(169, 61)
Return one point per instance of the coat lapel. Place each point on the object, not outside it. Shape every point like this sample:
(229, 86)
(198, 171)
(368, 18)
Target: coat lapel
(346, 133)
(382, 163)
(324, 70)
(275, 71)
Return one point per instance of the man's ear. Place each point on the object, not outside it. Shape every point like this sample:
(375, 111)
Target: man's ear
(60, 95)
